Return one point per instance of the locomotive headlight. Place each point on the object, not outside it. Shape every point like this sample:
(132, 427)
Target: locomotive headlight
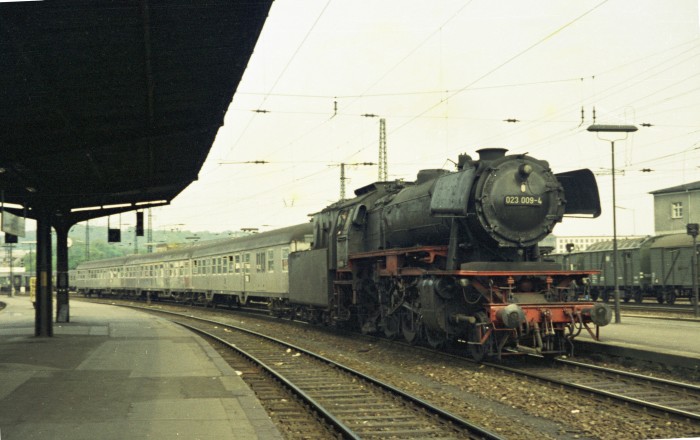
(525, 170)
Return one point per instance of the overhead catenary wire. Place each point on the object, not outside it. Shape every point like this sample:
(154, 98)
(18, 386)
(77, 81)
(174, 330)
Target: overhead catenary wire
(338, 146)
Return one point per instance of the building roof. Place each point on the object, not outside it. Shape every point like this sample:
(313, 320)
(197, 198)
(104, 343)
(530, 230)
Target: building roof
(694, 186)
(115, 102)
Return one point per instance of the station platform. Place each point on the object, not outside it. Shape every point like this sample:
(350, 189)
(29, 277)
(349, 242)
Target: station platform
(113, 373)
(667, 341)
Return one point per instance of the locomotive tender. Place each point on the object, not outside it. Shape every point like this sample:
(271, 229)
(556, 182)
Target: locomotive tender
(449, 258)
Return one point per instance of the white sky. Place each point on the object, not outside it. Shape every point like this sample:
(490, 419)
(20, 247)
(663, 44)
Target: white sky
(445, 75)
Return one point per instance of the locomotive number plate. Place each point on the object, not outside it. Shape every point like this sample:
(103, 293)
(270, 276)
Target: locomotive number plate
(523, 200)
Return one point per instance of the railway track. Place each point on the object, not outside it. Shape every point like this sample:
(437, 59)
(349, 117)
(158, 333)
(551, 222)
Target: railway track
(644, 424)
(653, 394)
(354, 405)
(681, 310)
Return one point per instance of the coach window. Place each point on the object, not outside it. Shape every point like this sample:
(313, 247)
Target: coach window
(246, 263)
(285, 259)
(260, 261)
(230, 264)
(270, 260)
(237, 263)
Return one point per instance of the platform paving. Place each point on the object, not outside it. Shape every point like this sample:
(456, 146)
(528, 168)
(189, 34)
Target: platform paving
(115, 373)
(675, 342)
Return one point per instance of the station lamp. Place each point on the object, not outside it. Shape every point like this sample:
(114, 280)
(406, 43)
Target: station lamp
(625, 129)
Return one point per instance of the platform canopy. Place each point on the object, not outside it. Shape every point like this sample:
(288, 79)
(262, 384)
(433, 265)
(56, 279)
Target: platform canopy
(115, 102)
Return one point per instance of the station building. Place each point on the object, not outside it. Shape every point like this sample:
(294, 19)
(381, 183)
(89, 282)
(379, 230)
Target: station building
(675, 207)
(581, 243)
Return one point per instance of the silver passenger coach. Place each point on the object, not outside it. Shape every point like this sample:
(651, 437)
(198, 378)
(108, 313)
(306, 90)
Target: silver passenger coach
(227, 272)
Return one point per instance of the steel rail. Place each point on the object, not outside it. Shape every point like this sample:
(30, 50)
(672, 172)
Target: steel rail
(570, 383)
(445, 415)
(330, 418)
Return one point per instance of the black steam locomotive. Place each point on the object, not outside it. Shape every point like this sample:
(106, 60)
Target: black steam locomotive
(449, 258)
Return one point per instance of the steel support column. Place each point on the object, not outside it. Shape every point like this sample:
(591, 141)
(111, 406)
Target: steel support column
(62, 306)
(43, 326)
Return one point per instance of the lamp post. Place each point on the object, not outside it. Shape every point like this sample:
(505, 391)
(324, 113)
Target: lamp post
(626, 129)
(692, 229)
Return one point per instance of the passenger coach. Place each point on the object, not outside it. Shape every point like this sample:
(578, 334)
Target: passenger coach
(231, 271)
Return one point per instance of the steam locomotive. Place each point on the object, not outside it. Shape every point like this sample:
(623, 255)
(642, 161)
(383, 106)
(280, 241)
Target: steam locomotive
(450, 258)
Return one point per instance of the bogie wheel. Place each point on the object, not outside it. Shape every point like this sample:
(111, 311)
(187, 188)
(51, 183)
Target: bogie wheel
(434, 338)
(671, 296)
(626, 295)
(409, 327)
(392, 325)
(638, 297)
(477, 350)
